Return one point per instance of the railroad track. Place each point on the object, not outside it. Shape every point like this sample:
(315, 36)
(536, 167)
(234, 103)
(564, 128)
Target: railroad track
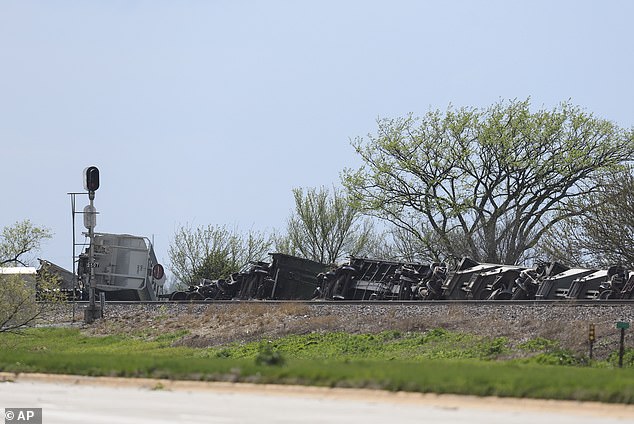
(395, 303)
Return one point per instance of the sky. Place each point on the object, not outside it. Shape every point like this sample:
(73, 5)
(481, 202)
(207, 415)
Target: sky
(210, 112)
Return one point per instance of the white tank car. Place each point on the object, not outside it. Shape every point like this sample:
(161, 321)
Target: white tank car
(124, 268)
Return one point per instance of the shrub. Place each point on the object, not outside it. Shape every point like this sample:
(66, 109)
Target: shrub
(628, 358)
(538, 344)
(267, 355)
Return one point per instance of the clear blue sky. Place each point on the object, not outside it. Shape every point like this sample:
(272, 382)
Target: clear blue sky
(210, 112)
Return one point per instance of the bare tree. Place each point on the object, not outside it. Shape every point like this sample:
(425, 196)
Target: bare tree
(603, 232)
(484, 183)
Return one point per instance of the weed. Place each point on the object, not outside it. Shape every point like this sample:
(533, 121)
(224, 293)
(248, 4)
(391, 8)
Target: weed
(560, 357)
(162, 313)
(433, 335)
(538, 344)
(223, 353)
(293, 309)
(169, 338)
(628, 358)
(158, 386)
(495, 348)
(267, 355)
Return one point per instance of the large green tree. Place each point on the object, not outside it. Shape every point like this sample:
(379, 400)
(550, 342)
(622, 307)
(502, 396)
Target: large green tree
(485, 183)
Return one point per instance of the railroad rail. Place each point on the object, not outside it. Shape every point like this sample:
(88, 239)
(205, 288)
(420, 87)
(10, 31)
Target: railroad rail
(395, 303)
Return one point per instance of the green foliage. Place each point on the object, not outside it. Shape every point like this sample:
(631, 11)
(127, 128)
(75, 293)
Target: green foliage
(214, 252)
(223, 353)
(48, 286)
(548, 352)
(628, 358)
(388, 345)
(434, 335)
(495, 347)
(538, 344)
(325, 227)
(216, 265)
(18, 307)
(560, 357)
(484, 183)
(268, 355)
(20, 239)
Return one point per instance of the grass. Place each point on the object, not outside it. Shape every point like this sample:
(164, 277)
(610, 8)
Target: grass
(435, 361)
(384, 346)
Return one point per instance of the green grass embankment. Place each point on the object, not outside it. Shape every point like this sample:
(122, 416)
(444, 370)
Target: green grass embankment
(436, 361)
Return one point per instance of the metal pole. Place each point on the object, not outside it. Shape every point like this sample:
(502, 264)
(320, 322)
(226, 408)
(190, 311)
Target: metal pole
(72, 209)
(91, 234)
(591, 338)
(622, 348)
(91, 312)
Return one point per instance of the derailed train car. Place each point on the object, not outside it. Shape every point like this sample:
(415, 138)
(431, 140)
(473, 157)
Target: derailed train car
(125, 268)
(288, 277)
(372, 279)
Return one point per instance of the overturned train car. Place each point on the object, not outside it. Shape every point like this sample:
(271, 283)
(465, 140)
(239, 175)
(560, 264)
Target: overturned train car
(290, 278)
(470, 280)
(123, 267)
(284, 278)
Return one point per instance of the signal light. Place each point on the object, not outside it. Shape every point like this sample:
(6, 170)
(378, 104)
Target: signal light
(91, 178)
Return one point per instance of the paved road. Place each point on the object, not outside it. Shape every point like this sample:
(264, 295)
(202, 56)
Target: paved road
(69, 402)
